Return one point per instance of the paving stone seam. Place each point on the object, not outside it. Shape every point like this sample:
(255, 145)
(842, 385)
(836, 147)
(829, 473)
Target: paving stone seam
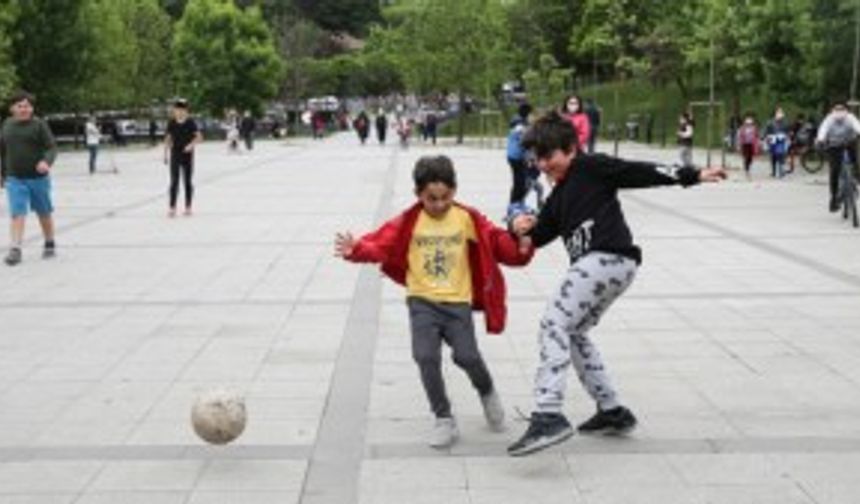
(334, 467)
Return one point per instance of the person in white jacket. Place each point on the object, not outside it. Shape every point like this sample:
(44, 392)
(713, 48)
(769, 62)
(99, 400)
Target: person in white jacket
(838, 133)
(92, 137)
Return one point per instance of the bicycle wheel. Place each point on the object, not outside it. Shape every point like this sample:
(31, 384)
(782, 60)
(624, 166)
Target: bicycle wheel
(851, 205)
(812, 160)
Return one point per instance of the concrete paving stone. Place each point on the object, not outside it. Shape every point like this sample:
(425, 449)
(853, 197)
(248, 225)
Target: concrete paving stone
(249, 497)
(424, 475)
(432, 496)
(725, 469)
(252, 475)
(642, 493)
(46, 477)
(785, 493)
(139, 497)
(38, 499)
(832, 493)
(594, 471)
(524, 495)
(177, 475)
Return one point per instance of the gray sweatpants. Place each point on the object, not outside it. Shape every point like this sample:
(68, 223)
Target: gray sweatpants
(589, 287)
(434, 323)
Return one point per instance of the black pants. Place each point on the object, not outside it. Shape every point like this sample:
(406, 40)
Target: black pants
(432, 324)
(747, 151)
(834, 157)
(249, 141)
(519, 170)
(181, 165)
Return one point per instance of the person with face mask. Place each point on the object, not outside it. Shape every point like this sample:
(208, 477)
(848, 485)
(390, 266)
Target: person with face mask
(837, 134)
(776, 136)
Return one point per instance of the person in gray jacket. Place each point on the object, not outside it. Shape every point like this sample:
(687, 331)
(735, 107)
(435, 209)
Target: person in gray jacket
(838, 133)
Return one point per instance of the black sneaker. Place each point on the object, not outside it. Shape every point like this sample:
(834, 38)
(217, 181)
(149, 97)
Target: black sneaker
(13, 257)
(545, 430)
(619, 420)
(834, 205)
(50, 250)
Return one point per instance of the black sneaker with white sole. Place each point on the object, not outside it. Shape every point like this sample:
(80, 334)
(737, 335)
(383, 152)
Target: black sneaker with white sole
(618, 420)
(545, 430)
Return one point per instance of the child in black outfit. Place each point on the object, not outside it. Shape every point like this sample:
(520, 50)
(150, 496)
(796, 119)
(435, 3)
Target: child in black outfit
(583, 209)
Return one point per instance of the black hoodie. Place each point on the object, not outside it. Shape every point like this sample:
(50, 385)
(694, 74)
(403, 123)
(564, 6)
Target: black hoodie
(584, 209)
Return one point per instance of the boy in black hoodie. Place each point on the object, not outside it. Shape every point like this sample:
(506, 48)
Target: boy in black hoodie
(583, 209)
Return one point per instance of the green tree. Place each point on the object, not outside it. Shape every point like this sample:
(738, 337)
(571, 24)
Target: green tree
(149, 26)
(451, 45)
(50, 47)
(606, 35)
(225, 57)
(351, 16)
(541, 27)
(790, 52)
(108, 66)
(546, 83)
(8, 15)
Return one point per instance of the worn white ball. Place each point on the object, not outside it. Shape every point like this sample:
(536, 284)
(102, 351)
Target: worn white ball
(219, 416)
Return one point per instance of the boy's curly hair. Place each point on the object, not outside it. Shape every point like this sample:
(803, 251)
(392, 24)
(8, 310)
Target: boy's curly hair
(549, 133)
(430, 169)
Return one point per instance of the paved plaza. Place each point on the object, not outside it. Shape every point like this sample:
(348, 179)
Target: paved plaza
(738, 346)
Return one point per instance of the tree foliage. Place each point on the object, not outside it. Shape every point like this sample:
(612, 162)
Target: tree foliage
(50, 47)
(225, 57)
(8, 16)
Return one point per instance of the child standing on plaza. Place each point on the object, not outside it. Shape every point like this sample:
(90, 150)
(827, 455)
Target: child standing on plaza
(27, 154)
(447, 256)
(182, 136)
(583, 209)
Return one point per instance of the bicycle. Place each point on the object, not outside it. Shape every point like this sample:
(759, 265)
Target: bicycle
(811, 158)
(848, 191)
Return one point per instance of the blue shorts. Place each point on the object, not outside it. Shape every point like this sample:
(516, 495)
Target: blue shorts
(26, 193)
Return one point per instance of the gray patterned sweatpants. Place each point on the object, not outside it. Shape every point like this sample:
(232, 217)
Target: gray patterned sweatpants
(590, 286)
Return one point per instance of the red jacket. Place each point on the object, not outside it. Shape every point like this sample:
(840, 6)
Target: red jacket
(389, 245)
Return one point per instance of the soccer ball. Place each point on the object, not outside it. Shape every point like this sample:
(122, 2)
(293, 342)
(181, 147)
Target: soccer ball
(219, 416)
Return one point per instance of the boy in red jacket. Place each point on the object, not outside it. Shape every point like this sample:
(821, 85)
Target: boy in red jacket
(447, 255)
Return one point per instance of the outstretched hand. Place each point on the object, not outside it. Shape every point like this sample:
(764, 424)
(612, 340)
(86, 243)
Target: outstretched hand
(344, 244)
(712, 174)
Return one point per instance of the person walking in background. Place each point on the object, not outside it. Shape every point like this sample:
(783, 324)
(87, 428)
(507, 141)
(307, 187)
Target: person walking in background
(153, 132)
(362, 126)
(748, 141)
(92, 137)
(318, 124)
(776, 137)
(593, 113)
(247, 127)
(27, 155)
(685, 138)
(517, 155)
(179, 142)
(381, 126)
(573, 110)
(431, 125)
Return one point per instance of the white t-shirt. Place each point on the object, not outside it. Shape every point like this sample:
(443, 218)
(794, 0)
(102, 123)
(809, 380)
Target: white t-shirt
(92, 134)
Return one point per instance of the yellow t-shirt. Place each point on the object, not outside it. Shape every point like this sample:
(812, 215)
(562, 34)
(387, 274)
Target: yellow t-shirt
(439, 257)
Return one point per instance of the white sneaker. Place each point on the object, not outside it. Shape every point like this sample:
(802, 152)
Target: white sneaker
(444, 433)
(493, 411)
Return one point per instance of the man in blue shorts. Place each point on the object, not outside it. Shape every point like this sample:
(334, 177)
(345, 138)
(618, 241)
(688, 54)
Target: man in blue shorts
(27, 152)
